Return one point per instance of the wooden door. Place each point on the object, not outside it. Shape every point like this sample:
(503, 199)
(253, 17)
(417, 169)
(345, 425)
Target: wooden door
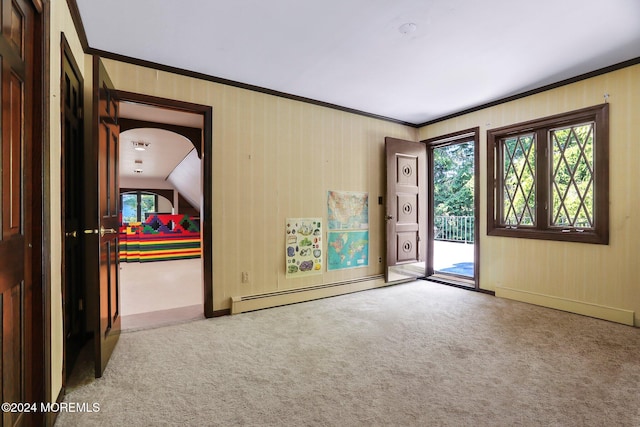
(406, 209)
(73, 203)
(102, 218)
(16, 187)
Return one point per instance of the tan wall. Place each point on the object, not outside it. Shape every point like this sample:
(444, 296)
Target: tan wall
(585, 278)
(61, 22)
(274, 158)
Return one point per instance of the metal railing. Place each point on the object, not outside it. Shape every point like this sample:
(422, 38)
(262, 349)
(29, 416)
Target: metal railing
(454, 228)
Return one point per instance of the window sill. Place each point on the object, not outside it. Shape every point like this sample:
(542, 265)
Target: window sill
(592, 237)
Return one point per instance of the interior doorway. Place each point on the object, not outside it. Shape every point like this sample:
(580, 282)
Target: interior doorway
(154, 113)
(161, 264)
(453, 208)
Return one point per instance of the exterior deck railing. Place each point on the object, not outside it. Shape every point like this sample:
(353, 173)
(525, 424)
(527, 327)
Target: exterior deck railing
(454, 228)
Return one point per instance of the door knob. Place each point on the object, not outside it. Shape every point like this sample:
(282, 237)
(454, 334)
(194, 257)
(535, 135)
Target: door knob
(73, 234)
(388, 217)
(101, 232)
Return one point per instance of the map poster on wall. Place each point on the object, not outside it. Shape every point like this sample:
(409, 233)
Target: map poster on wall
(348, 235)
(348, 210)
(303, 246)
(347, 249)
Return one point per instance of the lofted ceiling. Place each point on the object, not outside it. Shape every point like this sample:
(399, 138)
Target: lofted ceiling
(359, 54)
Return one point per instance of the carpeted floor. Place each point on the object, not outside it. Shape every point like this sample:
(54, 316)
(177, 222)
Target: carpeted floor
(417, 354)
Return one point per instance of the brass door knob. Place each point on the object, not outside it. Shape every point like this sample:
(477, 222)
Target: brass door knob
(101, 232)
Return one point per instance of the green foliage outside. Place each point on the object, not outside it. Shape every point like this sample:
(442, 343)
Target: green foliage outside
(571, 180)
(519, 190)
(130, 206)
(453, 182)
(572, 200)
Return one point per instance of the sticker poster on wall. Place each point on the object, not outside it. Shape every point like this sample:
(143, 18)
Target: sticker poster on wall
(348, 235)
(303, 246)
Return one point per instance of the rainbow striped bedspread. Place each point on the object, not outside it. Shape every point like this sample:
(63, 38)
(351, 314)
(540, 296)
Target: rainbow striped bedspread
(160, 238)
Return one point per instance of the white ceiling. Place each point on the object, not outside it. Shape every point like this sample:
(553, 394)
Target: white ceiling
(166, 149)
(464, 53)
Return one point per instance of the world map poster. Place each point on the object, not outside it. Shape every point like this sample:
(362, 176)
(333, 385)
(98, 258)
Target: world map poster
(347, 249)
(348, 235)
(303, 246)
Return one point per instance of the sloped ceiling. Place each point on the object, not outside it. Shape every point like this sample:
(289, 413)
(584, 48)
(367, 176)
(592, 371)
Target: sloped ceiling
(352, 53)
(186, 178)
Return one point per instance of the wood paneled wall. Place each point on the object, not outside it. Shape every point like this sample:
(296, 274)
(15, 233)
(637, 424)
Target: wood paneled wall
(556, 273)
(275, 158)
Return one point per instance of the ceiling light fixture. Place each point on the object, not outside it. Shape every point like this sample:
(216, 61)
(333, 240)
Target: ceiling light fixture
(407, 28)
(140, 146)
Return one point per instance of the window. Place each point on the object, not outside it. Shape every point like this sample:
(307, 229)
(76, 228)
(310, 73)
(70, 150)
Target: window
(135, 205)
(548, 178)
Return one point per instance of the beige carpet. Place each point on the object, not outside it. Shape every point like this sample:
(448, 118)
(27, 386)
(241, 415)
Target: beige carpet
(418, 354)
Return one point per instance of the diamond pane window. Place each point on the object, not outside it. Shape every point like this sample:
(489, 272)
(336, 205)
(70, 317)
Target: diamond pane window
(549, 178)
(572, 176)
(518, 183)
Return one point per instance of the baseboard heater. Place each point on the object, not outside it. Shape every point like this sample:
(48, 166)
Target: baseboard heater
(246, 303)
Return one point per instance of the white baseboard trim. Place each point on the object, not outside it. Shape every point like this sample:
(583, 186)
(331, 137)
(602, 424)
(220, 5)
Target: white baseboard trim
(587, 309)
(241, 304)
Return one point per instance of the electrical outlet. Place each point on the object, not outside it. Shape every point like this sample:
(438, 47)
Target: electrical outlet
(245, 277)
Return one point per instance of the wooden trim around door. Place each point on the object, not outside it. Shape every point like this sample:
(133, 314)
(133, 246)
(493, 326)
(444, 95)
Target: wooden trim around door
(41, 218)
(441, 141)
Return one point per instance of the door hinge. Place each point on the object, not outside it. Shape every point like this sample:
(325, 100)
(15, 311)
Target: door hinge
(80, 305)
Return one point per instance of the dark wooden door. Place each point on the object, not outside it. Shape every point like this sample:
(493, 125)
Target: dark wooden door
(72, 201)
(406, 207)
(16, 281)
(102, 218)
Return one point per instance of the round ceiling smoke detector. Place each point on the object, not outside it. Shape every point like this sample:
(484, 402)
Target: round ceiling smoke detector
(407, 28)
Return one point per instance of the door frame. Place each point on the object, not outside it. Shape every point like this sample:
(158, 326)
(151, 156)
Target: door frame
(440, 141)
(205, 151)
(41, 218)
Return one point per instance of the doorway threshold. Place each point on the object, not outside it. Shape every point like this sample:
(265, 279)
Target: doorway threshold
(448, 279)
(160, 318)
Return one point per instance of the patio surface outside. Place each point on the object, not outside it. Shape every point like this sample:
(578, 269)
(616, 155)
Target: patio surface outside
(453, 257)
